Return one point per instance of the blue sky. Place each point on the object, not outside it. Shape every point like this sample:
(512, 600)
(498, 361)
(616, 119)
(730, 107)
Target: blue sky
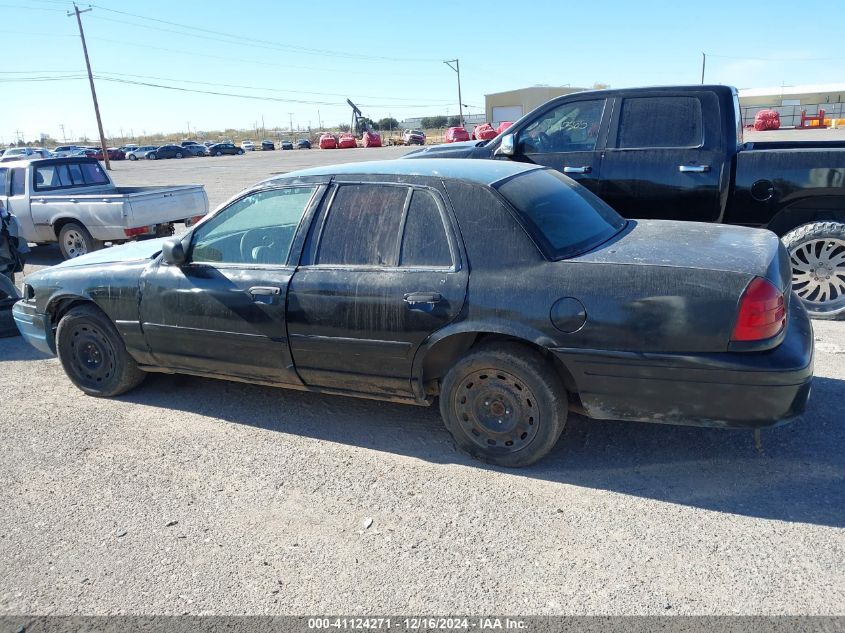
(301, 60)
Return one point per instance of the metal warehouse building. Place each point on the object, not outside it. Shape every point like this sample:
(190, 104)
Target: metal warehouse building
(511, 105)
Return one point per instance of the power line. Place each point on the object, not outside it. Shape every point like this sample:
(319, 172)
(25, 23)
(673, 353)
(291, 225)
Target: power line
(778, 59)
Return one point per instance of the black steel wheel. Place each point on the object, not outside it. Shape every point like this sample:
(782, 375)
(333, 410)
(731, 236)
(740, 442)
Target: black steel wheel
(93, 354)
(504, 404)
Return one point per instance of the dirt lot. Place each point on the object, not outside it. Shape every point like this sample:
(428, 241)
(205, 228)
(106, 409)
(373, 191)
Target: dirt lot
(198, 496)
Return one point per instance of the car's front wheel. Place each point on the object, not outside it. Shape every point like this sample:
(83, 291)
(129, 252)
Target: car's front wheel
(817, 256)
(133, 157)
(151, 156)
(93, 354)
(504, 404)
(240, 151)
(178, 154)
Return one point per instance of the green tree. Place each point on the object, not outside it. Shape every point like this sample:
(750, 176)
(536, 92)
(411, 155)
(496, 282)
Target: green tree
(454, 121)
(344, 127)
(387, 123)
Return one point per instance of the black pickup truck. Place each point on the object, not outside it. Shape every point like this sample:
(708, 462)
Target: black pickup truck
(678, 153)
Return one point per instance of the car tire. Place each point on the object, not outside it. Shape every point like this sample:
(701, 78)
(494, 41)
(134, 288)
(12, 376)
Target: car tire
(218, 153)
(133, 157)
(178, 154)
(240, 151)
(93, 354)
(75, 240)
(151, 156)
(817, 256)
(504, 404)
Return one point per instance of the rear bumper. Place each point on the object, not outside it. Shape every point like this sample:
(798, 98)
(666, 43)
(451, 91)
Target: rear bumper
(732, 389)
(34, 327)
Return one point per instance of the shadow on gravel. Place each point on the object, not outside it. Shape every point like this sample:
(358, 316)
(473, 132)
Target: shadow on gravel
(798, 476)
(44, 255)
(15, 348)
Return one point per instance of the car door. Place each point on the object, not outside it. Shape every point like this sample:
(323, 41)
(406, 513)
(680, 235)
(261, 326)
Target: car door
(381, 271)
(664, 157)
(223, 311)
(567, 137)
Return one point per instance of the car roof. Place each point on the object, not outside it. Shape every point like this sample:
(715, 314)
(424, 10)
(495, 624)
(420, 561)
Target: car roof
(481, 171)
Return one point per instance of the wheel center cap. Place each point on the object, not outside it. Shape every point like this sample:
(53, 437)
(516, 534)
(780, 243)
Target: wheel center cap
(497, 408)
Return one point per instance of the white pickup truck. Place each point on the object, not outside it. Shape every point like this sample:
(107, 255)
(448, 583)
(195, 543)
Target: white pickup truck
(73, 201)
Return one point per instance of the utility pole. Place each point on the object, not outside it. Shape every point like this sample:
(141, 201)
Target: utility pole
(77, 12)
(319, 121)
(290, 114)
(62, 125)
(457, 69)
(703, 64)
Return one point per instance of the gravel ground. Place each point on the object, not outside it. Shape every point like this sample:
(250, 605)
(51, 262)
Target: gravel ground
(199, 496)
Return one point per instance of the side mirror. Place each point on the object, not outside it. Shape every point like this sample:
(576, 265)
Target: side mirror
(173, 252)
(507, 147)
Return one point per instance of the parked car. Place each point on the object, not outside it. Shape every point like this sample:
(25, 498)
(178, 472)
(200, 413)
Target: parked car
(140, 152)
(218, 149)
(267, 145)
(248, 146)
(73, 201)
(287, 145)
(414, 137)
(328, 141)
(303, 143)
(115, 153)
(456, 135)
(409, 293)
(64, 150)
(129, 147)
(678, 153)
(17, 153)
(504, 125)
(168, 151)
(89, 153)
(196, 149)
(346, 141)
(483, 132)
(189, 143)
(371, 139)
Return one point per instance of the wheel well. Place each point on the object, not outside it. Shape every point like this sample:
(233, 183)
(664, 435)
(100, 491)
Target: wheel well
(60, 307)
(60, 223)
(446, 352)
(827, 209)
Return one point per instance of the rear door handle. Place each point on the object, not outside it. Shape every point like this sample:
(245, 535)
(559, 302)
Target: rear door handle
(263, 291)
(693, 169)
(413, 298)
(586, 169)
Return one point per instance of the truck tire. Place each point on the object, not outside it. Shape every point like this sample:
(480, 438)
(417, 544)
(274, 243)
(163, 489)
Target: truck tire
(75, 240)
(93, 355)
(504, 404)
(817, 255)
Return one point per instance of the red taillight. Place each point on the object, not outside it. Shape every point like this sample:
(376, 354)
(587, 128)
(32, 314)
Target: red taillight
(762, 313)
(141, 230)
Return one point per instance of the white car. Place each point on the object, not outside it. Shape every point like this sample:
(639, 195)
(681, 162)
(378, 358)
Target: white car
(140, 152)
(19, 153)
(248, 146)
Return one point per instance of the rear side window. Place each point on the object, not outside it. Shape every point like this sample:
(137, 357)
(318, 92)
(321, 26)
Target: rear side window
(563, 218)
(424, 242)
(94, 174)
(362, 227)
(660, 122)
(18, 181)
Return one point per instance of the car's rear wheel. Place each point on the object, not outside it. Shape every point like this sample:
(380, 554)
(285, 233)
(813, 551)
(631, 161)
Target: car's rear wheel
(817, 255)
(218, 153)
(93, 354)
(504, 404)
(76, 240)
(240, 151)
(151, 156)
(133, 157)
(178, 154)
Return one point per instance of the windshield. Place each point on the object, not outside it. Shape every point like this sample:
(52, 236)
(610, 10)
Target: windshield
(564, 218)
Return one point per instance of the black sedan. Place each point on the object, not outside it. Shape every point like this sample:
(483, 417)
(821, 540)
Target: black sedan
(218, 149)
(505, 290)
(267, 146)
(287, 145)
(195, 150)
(169, 151)
(303, 143)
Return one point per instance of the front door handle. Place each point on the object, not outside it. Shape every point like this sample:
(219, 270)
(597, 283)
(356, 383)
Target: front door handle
(413, 298)
(263, 291)
(586, 169)
(693, 169)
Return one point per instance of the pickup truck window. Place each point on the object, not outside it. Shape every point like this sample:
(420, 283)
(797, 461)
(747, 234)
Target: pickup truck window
(563, 218)
(424, 242)
(59, 176)
(571, 127)
(257, 229)
(647, 122)
(18, 182)
(363, 225)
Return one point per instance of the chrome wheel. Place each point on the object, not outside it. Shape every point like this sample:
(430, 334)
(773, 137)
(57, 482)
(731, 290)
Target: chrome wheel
(497, 411)
(818, 273)
(73, 243)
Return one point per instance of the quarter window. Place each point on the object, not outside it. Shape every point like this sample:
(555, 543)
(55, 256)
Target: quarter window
(18, 181)
(257, 229)
(362, 227)
(424, 242)
(660, 122)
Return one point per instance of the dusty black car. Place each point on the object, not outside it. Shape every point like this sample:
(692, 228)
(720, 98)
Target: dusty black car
(218, 149)
(507, 290)
(303, 143)
(169, 151)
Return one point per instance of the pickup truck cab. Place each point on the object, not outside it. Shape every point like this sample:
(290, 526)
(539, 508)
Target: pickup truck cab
(677, 153)
(73, 201)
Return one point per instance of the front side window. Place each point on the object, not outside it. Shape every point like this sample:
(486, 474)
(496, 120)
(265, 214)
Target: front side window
(257, 229)
(570, 127)
(563, 218)
(646, 122)
(362, 226)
